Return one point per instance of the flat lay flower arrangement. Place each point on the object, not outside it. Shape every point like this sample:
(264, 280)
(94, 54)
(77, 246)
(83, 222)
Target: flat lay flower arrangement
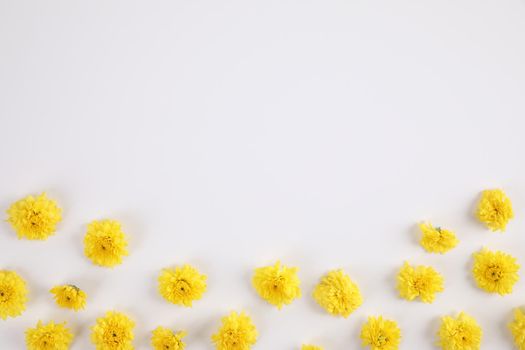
(106, 245)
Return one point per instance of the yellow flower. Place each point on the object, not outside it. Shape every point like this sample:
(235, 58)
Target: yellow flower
(34, 218)
(460, 333)
(13, 294)
(437, 239)
(237, 332)
(495, 272)
(311, 347)
(380, 334)
(165, 339)
(113, 332)
(182, 285)
(338, 294)
(69, 296)
(419, 281)
(278, 285)
(494, 209)
(517, 327)
(52, 336)
(105, 244)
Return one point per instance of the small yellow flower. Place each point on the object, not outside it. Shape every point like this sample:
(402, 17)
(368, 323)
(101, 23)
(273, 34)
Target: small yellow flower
(437, 239)
(460, 333)
(13, 294)
(338, 294)
(494, 209)
(34, 218)
(113, 332)
(237, 332)
(380, 334)
(105, 244)
(165, 339)
(311, 347)
(419, 281)
(52, 336)
(495, 272)
(69, 296)
(278, 285)
(182, 285)
(517, 327)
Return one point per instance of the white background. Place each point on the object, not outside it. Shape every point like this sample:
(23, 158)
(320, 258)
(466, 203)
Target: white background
(230, 134)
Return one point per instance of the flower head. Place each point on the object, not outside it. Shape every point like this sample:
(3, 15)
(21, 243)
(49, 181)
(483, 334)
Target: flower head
(69, 296)
(380, 334)
(13, 294)
(237, 332)
(419, 281)
(182, 285)
(114, 331)
(437, 239)
(495, 272)
(517, 327)
(278, 285)
(338, 294)
(52, 336)
(34, 218)
(105, 244)
(460, 333)
(311, 347)
(165, 339)
(494, 209)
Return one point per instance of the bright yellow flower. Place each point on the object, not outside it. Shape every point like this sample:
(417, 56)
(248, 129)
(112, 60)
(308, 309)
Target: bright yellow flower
(380, 334)
(236, 333)
(419, 281)
(338, 294)
(182, 285)
(495, 272)
(165, 339)
(517, 327)
(460, 333)
(278, 285)
(437, 239)
(69, 296)
(34, 218)
(113, 332)
(105, 244)
(494, 209)
(13, 294)
(52, 336)
(311, 347)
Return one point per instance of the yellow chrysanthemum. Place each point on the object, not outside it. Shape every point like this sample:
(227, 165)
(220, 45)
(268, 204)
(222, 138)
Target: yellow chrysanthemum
(114, 331)
(494, 209)
(69, 296)
(52, 336)
(182, 285)
(460, 333)
(105, 244)
(311, 347)
(517, 327)
(495, 272)
(278, 285)
(165, 339)
(436, 239)
(237, 332)
(13, 294)
(419, 281)
(380, 334)
(34, 218)
(338, 294)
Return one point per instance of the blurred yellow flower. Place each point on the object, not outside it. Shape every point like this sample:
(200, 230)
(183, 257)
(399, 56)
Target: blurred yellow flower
(460, 333)
(338, 294)
(69, 296)
(165, 339)
(419, 281)
(105, 244)
(278, 285)
(517, 327)
(494, 209)
(437, 239)
(182, 285)
(495, 272)
(380, 334)
(13, 294)
(236, 333)
(311, 347)
(34, 218)
(52, 336)
(113, 332)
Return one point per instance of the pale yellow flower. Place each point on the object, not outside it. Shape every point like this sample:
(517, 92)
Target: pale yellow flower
(69, 296)
(494, 209)
(460, 333)
(517, 327)
(113, 332)
(311, 347)
(419, 281)
(278, 285)
(236, 333)
(495, 272)
(13, 294)
(338, 294)
(165, 339)
(437, 239)
(182, 285)
(52, 336)
(105, 244)
(380, 334)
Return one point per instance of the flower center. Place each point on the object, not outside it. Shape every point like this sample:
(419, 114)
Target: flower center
(182, 286)
(382, 339)
(494, 273)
